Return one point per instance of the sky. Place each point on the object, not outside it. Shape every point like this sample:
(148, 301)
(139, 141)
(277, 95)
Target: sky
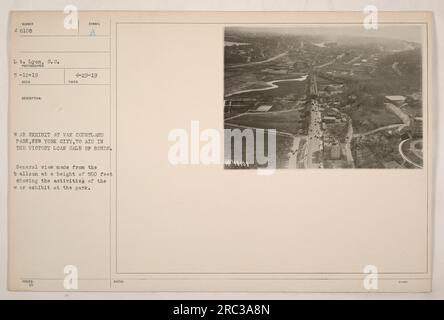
(401, 32)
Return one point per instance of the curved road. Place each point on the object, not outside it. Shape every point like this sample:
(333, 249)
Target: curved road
(391, 126)
(405, 157)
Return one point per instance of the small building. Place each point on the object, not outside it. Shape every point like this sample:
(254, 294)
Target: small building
(397, 100)
(405, 136)
(264, 108)
(416, 127)
(329, 119)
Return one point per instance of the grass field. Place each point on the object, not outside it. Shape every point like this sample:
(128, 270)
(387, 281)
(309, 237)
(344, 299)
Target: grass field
(291, 122)
(366, 119)
(283, 148)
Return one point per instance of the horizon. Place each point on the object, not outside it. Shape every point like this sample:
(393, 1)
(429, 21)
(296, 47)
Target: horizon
(410, 33)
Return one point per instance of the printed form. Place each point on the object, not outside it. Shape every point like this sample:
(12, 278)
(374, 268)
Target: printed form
(122, 175)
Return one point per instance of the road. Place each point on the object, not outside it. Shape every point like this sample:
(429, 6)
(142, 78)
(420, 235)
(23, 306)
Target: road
(354, 59)
(348, 152)
(405, 157)
(314, 141)
(326, 64)
(398, 126)
(258, 62)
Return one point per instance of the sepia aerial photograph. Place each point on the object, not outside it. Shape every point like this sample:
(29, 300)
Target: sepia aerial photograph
(338, 96)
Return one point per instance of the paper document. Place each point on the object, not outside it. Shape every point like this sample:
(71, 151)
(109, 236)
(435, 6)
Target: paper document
(220, 151)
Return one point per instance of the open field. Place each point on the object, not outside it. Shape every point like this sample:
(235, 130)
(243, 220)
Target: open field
(366, 118)
(283, 149)
(292, 122)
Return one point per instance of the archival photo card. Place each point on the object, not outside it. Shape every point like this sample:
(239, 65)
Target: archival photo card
(131, 136)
